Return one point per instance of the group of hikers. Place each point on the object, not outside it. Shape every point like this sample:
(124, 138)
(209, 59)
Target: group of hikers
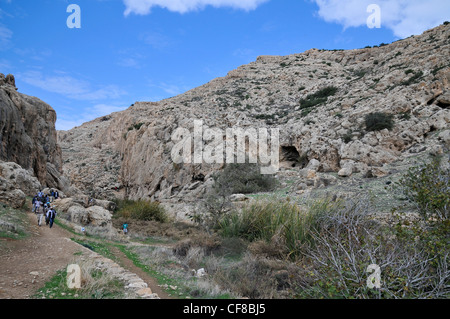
(42, 207)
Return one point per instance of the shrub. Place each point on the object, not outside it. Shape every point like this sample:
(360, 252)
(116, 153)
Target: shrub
(347, 137)
(414, 263)
(416, 77)
(135, 126)
(378, 121)
(242, 178)
(428, 186)
(279, 222)
(140, 210)
(318, 98)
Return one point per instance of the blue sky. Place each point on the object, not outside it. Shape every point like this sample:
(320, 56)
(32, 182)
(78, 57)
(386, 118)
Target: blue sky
(148, 50)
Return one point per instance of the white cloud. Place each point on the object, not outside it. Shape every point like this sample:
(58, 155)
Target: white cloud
(403, 17)
(5, 37)
(66, 122)
(143, 7)
(70, 87)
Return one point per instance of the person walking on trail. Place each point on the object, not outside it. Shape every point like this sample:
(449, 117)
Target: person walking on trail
(34, 204)
(51, 216)
(40, 213)
(47, 210)
(125, 228)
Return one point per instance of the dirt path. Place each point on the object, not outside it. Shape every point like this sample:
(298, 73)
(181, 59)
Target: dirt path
(27, 264)
(126, 263)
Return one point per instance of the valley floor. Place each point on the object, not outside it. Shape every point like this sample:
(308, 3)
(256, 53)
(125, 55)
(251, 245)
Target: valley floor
(27, 264)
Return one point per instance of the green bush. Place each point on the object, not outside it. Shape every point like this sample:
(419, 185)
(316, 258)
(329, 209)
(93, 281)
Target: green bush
(428, 186)
(244, 178)
(378, 121)
(276, 221)
(140, 210)
(318, 98)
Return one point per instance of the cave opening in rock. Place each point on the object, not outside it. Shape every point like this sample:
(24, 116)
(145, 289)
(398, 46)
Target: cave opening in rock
(290, 157)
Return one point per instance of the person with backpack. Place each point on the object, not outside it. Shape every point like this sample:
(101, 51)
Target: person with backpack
(51, 216)
(47, 209)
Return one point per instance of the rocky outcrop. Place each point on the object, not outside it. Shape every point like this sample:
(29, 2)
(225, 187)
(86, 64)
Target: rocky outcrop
(15, 184)
(318, 99)
(78, 212)
(28, 135)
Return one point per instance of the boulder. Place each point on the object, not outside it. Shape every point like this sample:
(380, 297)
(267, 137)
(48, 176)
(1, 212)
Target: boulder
(19, 178)
(347, 170)
(99, 216)
(78, 214)
(14, 198)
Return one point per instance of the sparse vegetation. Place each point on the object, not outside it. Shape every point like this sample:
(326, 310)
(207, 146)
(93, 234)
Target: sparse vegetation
(95, 285)
(140, 210)
(413, 79)
(378, 121)
(315, 99)
(135, 127)
(242, 178)
(428, 186)
(278, 222)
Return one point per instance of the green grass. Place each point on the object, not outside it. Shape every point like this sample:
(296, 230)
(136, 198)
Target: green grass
(160, 278)
(102, 248)
(140, 210)
(14, 222)
(56, 288)
(274, 219)
(185, 287)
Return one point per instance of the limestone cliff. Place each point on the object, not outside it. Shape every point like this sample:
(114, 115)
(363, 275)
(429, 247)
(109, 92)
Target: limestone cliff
(318, 99)
(28, 134)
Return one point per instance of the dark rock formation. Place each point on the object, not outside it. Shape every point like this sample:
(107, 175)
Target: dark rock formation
(28, 135)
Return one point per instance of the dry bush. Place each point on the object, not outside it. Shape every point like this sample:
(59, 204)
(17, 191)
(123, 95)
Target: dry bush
(348, 241)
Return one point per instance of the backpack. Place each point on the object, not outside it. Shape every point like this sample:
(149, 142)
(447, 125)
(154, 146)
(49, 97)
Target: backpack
(52, 214)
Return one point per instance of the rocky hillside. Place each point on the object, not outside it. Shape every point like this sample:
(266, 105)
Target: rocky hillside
(318, 99)
(28, 135)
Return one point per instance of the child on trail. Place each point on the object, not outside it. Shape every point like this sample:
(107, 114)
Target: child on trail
(125, 228)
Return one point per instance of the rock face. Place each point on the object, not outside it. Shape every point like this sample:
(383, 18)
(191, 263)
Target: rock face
(318, 99)
(15, 184)
(28, 135)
